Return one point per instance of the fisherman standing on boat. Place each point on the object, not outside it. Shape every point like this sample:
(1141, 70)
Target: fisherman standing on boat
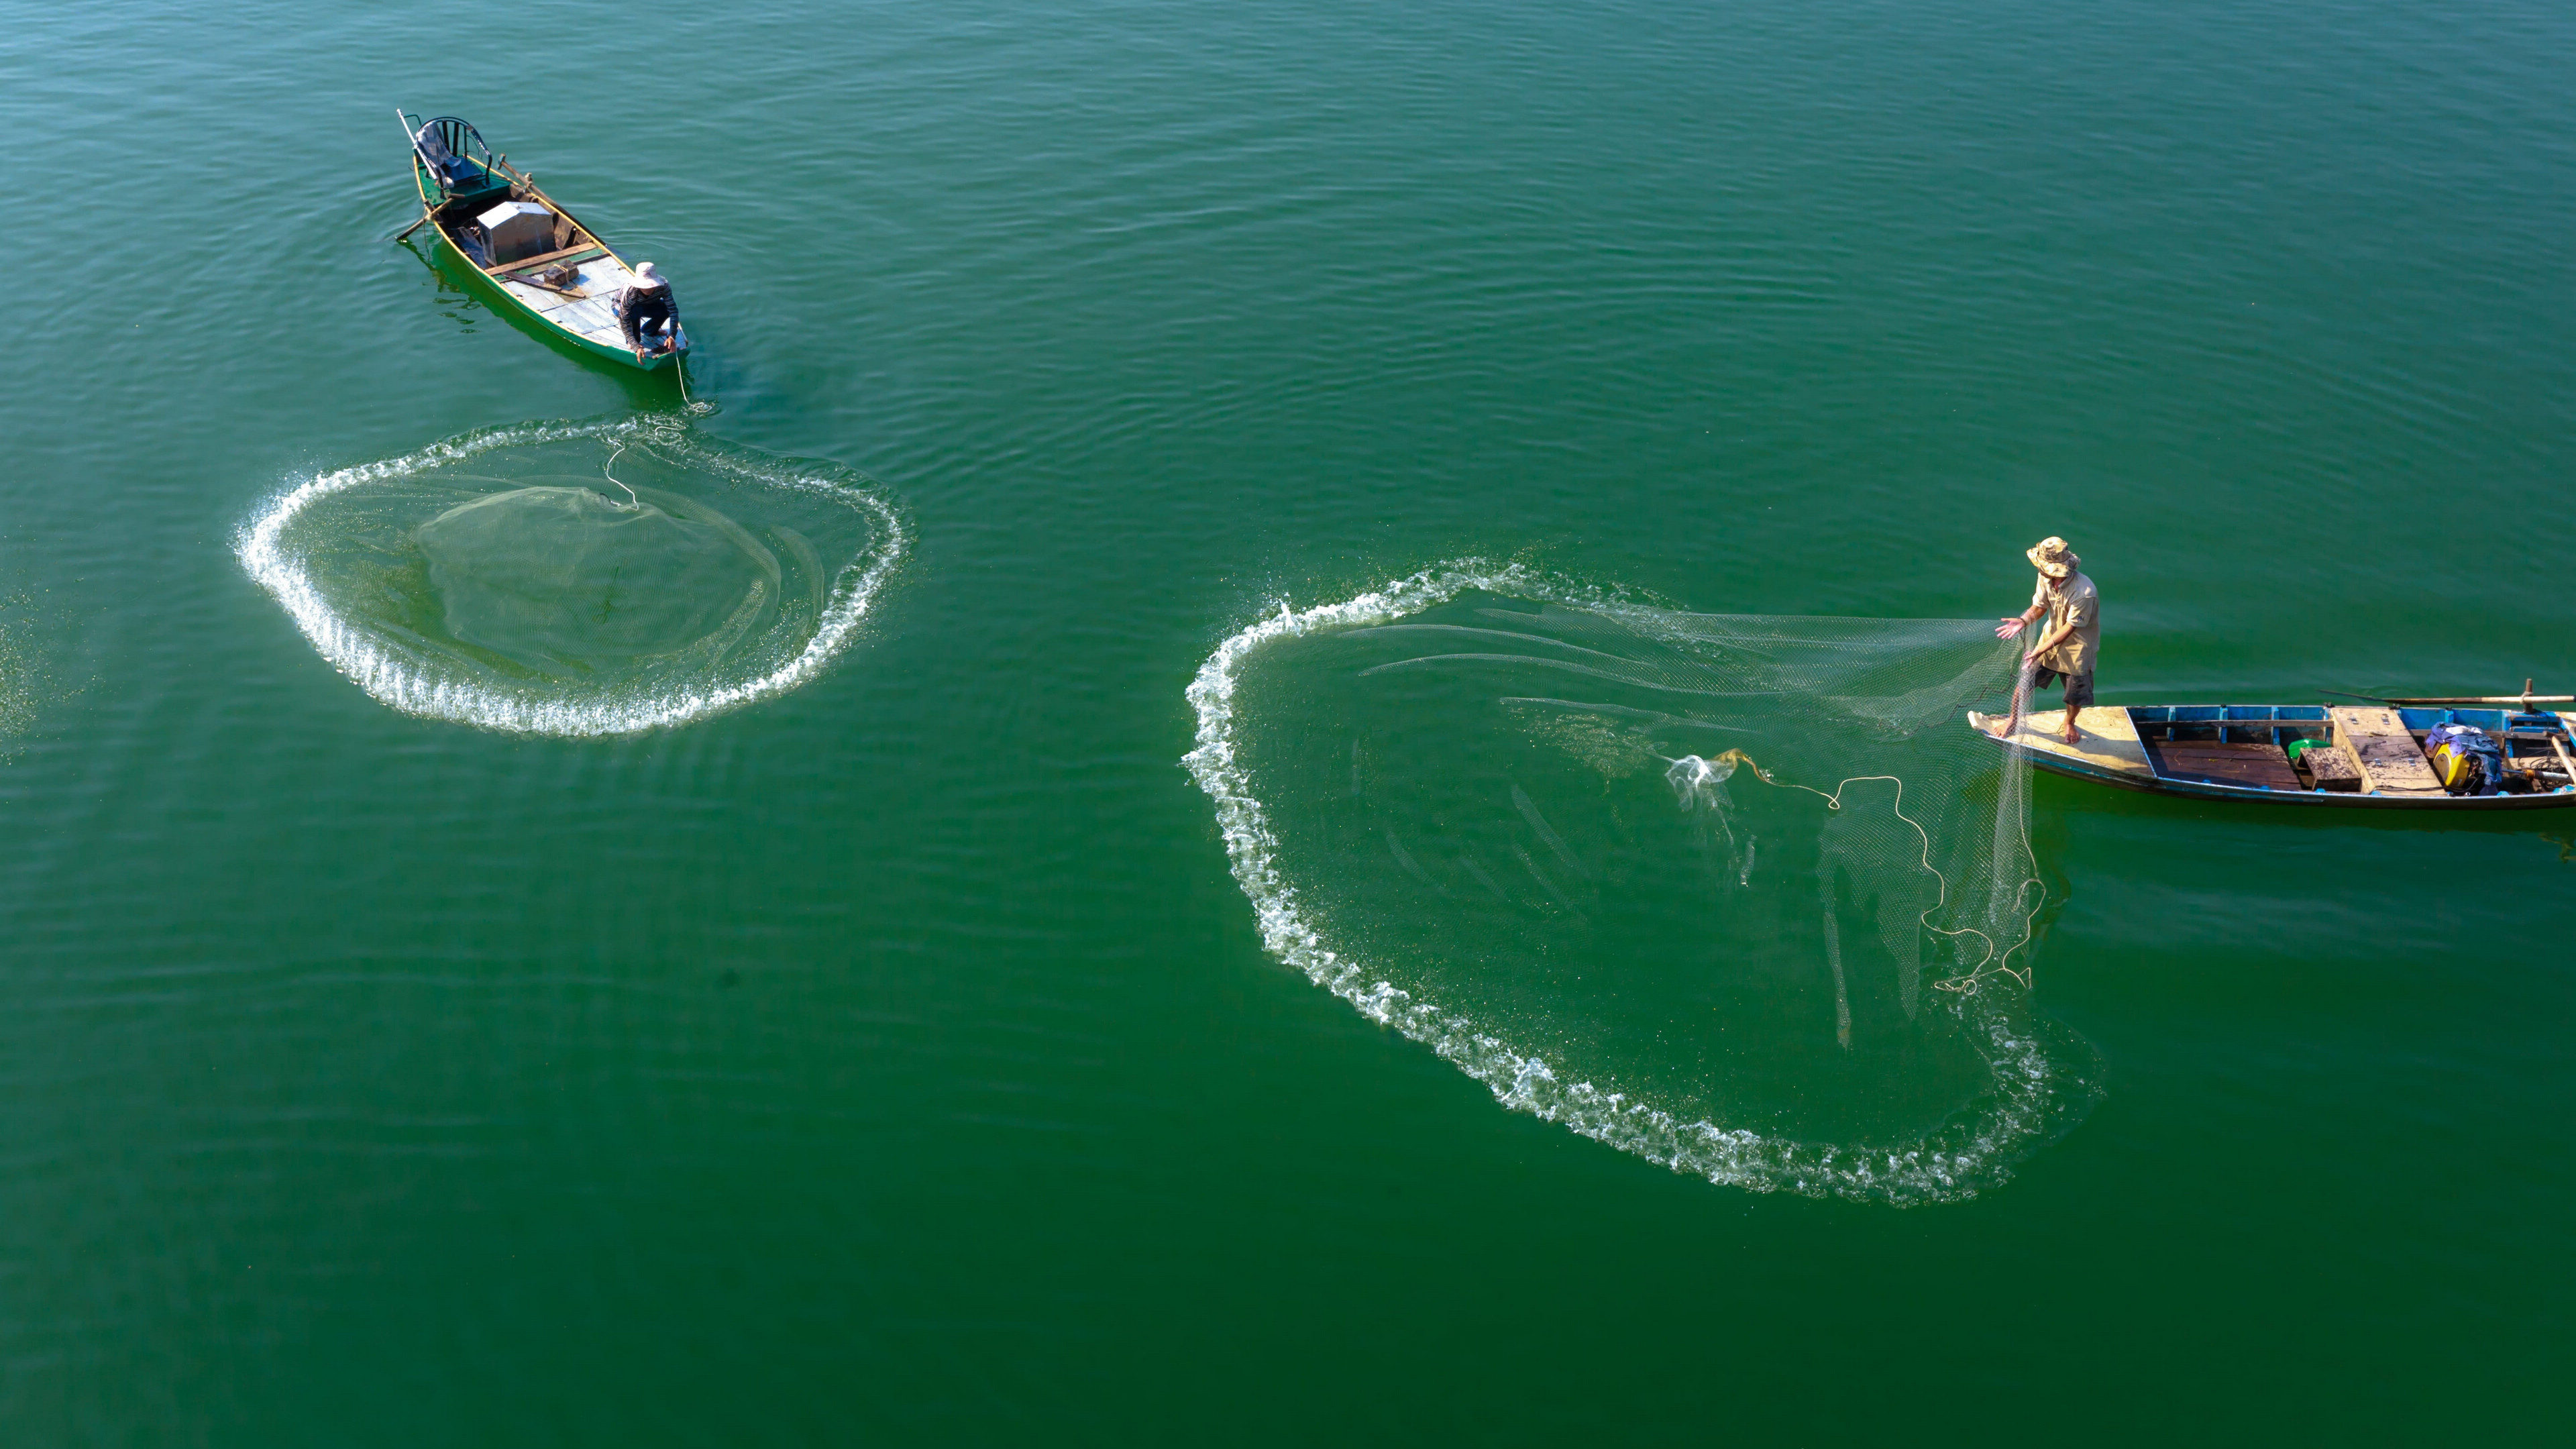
(2066, 648)
(644, 309)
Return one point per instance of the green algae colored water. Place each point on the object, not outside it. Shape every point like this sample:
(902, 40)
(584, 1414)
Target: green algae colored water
(894, 1058)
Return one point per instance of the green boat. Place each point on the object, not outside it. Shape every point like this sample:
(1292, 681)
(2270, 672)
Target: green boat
(531, 255)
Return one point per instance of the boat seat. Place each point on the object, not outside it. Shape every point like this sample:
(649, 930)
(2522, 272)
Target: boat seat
(2390, 757)
(466, 204)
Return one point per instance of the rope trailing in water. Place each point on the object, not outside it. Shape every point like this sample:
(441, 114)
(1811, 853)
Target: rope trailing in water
(1998, 958)
(680, 365)
(631, 500)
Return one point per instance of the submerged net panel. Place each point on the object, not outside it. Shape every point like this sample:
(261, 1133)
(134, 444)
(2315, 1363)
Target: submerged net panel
(564, 579)
(1741, 893)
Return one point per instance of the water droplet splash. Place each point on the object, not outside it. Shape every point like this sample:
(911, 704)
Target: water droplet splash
(1699, 783)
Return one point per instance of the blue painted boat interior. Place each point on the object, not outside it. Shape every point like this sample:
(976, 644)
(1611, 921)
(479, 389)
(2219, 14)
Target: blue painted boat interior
(2284, 724)
(2185, 721)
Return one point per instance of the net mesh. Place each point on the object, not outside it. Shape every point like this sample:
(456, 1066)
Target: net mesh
(1740, 893)
(563, 580)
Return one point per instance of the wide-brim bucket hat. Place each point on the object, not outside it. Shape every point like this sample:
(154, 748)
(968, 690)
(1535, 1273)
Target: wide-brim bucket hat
(2053, 558)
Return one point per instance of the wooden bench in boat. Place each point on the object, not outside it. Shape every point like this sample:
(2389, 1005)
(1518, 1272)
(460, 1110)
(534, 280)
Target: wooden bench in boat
(2389, 756)
(585, 251)
(2332, 768)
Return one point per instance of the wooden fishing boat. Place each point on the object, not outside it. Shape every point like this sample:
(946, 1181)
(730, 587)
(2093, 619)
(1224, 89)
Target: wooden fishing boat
(2361, 756)
(533, 257)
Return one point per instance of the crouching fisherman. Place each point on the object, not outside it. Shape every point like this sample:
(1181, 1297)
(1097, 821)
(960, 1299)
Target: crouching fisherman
(646, 313)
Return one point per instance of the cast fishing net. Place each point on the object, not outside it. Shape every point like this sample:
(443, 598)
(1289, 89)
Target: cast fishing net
(572, 578)
(565, 582)
(1739, 894)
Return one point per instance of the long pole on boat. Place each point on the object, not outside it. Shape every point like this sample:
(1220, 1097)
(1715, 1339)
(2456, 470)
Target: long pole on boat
(412, 140)
(2521, 699)
(2526, 699)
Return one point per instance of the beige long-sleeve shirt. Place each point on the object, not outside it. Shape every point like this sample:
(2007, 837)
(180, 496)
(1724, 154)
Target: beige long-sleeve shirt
(2076, 600)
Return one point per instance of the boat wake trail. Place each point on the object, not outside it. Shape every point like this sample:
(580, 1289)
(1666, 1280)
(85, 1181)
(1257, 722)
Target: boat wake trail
(577, 578)
(1737, 894)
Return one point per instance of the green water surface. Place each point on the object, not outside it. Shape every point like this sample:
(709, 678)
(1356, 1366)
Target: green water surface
(895, 1060)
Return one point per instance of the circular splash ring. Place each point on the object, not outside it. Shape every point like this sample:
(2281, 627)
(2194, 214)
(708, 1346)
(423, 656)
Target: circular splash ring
(402, 684)
(2029, 1098)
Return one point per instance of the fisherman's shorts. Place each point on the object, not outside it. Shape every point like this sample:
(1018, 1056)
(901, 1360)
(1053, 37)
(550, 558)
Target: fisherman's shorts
(2079, 687)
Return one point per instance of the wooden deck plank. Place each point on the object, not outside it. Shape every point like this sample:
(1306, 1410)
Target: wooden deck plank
(2245, 763)
(592, 315)
(2391, 762)
(604, 278)
(2107, 741)
(537, 297)
(591, 318)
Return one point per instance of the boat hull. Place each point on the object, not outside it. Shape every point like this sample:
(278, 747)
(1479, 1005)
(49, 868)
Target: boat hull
(2111, 753)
